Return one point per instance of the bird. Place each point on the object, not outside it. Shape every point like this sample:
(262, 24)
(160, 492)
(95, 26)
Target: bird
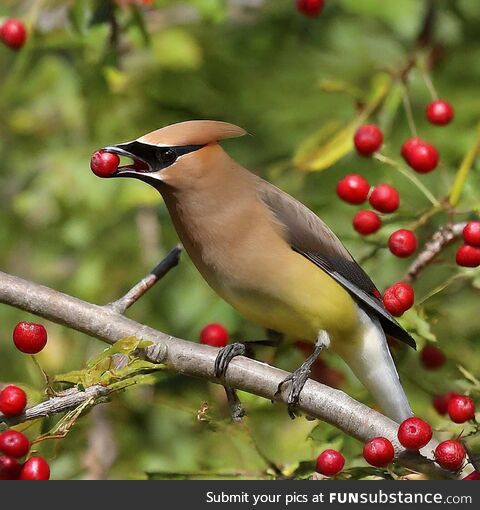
(269, 256)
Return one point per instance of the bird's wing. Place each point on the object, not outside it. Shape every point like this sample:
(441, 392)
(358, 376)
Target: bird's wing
(311, 237)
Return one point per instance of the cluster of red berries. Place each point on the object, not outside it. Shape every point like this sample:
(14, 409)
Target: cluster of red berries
(28, 338)
(13, 446)
(413, 434)
(13, 33)
(420, 155)
(384, 198)
(355, 189)
(310, 8)
(468, 255)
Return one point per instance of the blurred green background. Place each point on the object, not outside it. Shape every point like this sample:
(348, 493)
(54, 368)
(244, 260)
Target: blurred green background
(96, 72)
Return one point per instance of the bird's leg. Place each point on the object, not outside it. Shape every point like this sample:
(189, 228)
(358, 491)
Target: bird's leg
(300, 376)
(225, 356)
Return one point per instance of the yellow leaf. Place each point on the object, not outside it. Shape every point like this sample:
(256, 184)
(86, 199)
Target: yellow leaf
(332, 141)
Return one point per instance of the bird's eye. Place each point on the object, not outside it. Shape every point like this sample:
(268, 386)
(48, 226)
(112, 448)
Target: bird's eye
(166, 156)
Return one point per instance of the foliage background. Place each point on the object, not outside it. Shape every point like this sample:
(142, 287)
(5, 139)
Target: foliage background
(75, 87)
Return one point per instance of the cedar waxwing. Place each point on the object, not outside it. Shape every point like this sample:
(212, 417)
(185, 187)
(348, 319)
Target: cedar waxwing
(269, 256)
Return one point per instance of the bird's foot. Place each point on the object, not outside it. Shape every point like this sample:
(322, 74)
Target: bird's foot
(237, 411)
(225, 356)
(297, 381)
(300, 376)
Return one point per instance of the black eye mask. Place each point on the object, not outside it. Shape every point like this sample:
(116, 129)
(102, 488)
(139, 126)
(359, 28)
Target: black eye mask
(157, 158)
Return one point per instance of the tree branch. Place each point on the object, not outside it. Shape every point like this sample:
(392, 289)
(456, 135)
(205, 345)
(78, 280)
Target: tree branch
(158, 272)
(63, 401)
(196, 360)
(438, 242)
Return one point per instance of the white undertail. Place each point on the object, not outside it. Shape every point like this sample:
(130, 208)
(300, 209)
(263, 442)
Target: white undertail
(372, 363)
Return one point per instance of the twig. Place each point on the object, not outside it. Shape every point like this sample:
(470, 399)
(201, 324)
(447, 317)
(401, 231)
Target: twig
(197, 360)
(157, 273)
(63, 401)
(438, 242)
(409, 175)
(408, 110)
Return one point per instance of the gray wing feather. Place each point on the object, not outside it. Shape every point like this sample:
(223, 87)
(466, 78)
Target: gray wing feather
(311, 237)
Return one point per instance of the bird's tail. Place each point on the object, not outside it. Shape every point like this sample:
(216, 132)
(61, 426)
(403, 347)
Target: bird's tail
(372, 363)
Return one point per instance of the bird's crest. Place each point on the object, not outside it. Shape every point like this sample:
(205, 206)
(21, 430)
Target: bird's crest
(192, 132)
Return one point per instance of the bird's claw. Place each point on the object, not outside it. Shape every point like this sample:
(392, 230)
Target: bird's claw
(297, 381)
(225, 356)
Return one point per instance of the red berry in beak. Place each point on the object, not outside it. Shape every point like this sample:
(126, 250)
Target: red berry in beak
(104, 163)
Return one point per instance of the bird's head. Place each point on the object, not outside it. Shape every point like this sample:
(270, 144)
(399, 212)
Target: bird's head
(170, 149)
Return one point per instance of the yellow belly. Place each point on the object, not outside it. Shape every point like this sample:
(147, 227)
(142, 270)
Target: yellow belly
(298, 299)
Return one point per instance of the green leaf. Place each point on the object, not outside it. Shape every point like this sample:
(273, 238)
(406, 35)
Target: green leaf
(470, 377)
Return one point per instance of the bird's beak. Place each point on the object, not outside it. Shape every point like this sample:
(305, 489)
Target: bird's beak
(139, 168)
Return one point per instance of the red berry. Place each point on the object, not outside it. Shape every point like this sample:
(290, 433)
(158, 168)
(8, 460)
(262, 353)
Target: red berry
(378, 452)
(36, 468)
(398, 298)
(439, 112)
(12, 400)
(468, 256)
(13, 33)
(104, 163)
(420, 155)
(402, 243)
(14, 444)
(474, 475)
(432, 357)
(440, 402)
(353, 189)
(385, 198)
(9, 468)
(450, 455)
(29, 337)
(414, 433)
(330, 462)
(366, 222)
(471, 233)
(215, 335)
(461, 408)
(368, 139)
(311, 8)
